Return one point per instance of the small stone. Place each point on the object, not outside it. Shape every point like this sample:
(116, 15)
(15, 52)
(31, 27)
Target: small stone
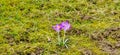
(49, 40)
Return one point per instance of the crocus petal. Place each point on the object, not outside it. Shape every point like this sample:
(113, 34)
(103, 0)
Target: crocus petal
(65, 25)
(57, 27)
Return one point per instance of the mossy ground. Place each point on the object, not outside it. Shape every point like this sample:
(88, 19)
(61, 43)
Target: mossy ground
(26, 26)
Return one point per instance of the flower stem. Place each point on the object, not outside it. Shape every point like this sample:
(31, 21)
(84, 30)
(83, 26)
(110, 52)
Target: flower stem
(59, 37)
(64, 33)
(64, 36)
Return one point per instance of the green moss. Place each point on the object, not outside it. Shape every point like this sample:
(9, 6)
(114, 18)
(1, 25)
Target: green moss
(25, 26)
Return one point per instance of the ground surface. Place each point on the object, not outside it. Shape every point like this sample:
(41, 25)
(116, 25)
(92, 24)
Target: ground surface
(26, 27)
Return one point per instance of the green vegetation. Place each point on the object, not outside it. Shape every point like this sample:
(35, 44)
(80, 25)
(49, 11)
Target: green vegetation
(26, 27)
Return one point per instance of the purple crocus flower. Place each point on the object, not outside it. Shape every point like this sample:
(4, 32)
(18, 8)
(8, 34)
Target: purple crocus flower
(65, 25)
(57, 27)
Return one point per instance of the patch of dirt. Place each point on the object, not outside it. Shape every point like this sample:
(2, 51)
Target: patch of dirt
(38, 51)
(112, 32)
(108, 47)
(75, 31)
(97, 36)
(103, 44)
(86, 51)
(10, 39)
(117, 45)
